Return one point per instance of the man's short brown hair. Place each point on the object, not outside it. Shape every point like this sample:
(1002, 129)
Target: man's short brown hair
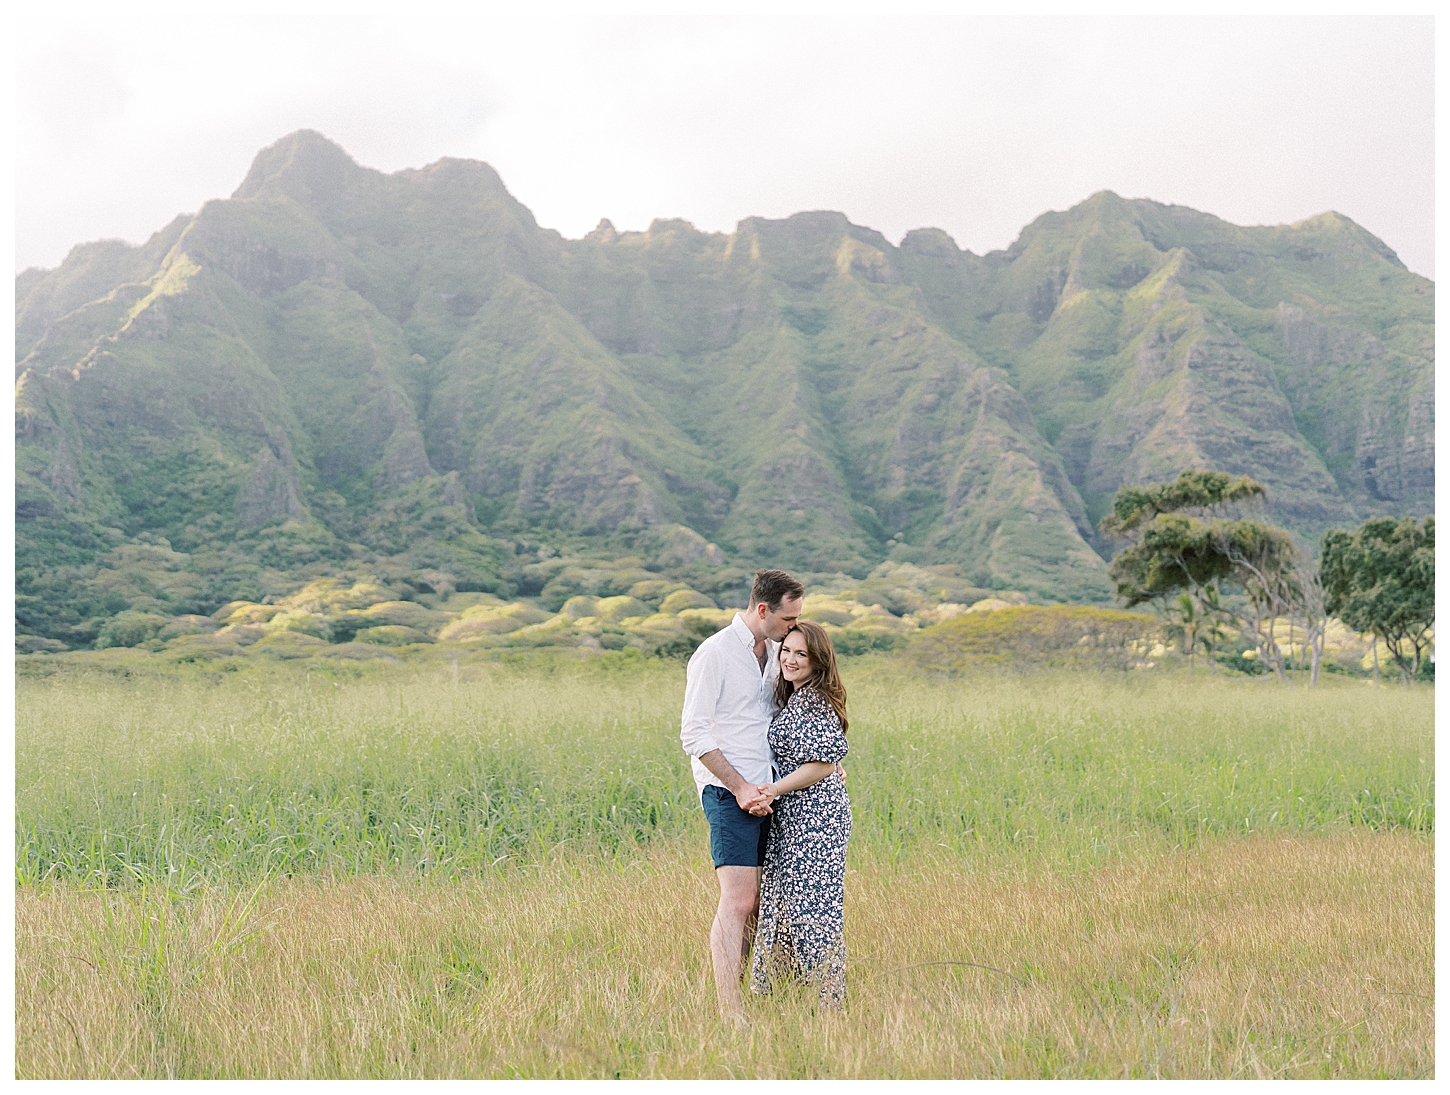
(773, 586)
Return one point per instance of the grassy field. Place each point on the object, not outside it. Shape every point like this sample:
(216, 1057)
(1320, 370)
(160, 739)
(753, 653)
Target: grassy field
(393, 871)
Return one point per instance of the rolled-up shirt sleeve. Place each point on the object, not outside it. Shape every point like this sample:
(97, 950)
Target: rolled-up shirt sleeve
(704, 678)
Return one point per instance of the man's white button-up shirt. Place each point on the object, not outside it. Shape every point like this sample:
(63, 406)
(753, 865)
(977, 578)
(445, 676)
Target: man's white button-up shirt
(729, 703)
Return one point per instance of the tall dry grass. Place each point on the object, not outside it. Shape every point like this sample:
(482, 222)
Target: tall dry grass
(1253, 957)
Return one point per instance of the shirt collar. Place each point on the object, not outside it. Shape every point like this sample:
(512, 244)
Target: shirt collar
(742, 630)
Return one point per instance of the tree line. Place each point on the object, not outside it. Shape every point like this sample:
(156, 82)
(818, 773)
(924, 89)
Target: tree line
(1200, 549)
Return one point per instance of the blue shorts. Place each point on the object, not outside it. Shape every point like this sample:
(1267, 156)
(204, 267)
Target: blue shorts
(737, 837)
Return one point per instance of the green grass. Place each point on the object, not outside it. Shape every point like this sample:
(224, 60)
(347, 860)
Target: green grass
(196, 778)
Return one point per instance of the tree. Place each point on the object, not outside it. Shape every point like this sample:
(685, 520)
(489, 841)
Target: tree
(1311, 613)
(1381, 578)
(1192, 494)
(1263, 561)
(1188, 536)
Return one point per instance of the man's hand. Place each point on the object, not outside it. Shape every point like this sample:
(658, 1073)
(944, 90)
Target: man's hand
(761, 803)
(753, 800)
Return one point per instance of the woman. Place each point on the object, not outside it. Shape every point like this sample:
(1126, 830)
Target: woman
(803, 882)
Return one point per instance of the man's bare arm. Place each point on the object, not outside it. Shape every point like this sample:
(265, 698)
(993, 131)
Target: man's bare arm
(746, 794)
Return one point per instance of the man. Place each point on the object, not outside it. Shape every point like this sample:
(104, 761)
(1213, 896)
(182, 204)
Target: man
(729, 685)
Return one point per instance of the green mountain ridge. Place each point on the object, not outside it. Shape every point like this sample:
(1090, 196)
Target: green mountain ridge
(337, 371)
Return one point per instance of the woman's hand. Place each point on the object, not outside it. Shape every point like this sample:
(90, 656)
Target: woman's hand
(764, 796)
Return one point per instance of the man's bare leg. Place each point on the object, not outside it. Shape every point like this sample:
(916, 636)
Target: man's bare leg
(731, 933)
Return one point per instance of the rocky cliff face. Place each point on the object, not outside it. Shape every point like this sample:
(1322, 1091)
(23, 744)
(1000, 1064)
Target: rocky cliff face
(408, 363)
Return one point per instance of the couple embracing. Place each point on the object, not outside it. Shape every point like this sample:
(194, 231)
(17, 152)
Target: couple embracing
(765, 723)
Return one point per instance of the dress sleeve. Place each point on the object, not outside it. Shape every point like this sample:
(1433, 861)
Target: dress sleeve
(821, 736)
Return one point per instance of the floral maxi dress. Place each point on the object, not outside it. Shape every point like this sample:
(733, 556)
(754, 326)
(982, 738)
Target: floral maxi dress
(803, 884)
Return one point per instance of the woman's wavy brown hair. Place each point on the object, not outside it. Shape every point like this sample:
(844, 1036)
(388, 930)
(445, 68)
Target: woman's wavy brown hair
(825, 678)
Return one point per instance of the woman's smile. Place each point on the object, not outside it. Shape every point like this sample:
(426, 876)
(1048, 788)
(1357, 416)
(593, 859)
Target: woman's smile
(795, 662)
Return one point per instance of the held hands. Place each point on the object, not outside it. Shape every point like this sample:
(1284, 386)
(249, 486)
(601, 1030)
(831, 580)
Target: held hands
(756, 799)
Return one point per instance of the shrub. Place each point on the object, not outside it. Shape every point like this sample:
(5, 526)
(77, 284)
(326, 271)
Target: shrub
(301, 621)
(615, 609)
(682, 599)
(129, 629)
(654, 590)
(590, 582)
(391, 635)
(853, 641)
(187, 625)
(1034, 636)
(576, 608)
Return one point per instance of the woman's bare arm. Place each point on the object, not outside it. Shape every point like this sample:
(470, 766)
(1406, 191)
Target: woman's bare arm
(807, 775)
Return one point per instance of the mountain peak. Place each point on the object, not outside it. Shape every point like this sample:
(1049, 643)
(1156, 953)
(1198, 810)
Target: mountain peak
(1333, 228)
(304, 166)
(603, 231)
(930, 241)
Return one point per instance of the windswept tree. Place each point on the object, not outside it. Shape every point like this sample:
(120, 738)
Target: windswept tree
(1191, 535)
(1201, 494)
(1381, 578)
(1278, 582)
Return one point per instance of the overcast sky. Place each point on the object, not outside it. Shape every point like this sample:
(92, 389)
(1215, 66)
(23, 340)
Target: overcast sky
(128, 115)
